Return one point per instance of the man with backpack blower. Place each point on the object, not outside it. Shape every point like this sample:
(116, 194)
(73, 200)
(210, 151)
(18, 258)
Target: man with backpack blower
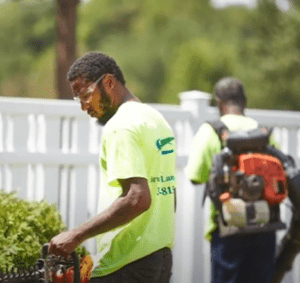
(247, 178)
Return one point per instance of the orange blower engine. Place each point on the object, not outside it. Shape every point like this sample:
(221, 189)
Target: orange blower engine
(269, 168)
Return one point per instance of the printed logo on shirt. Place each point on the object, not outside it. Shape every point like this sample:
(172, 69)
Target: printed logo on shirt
(161, 143)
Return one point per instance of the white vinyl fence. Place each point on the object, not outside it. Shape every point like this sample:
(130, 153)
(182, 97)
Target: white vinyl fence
(49, 150)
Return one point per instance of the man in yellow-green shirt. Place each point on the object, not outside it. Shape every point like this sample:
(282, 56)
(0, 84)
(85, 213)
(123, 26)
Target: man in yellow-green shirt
(135, 223)
(234, 259)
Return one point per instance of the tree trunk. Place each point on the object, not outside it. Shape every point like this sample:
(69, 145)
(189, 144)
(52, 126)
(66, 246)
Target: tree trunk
(65, 44)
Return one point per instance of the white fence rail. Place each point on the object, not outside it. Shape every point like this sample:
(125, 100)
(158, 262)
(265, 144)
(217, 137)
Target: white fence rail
(49, 150)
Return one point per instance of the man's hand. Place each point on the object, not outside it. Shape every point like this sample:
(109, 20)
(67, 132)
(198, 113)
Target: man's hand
(64, 243)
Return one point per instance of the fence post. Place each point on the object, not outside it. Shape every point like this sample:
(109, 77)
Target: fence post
(189, 219)
(197, 102)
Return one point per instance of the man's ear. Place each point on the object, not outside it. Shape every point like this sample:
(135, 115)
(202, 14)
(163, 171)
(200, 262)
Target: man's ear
(220, 106)
(109, 82)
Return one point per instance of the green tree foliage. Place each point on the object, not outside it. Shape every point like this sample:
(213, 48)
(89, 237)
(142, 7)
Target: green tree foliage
(27, 32)
(163, 47)
(196, 64)
(154, 42)
(270, 57)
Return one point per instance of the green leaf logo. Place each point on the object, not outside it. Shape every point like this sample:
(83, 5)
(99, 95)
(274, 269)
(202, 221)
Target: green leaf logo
(160, 143)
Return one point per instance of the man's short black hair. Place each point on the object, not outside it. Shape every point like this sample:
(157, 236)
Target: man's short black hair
(230, 90)
(92, 65)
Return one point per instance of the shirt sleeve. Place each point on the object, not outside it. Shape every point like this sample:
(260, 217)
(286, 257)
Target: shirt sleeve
(274, 143)
(125, 158)
(204, 145)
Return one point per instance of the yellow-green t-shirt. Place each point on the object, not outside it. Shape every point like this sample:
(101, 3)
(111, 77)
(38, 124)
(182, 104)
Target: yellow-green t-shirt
(205, 144)
(136, 142)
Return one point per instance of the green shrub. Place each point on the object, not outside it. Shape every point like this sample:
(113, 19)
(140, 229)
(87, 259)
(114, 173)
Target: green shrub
(25, 226)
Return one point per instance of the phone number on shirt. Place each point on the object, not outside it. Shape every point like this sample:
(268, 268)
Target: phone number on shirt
(165, 190)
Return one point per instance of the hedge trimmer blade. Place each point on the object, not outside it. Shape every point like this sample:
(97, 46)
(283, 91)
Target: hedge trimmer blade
(45, 270)
(28, 275)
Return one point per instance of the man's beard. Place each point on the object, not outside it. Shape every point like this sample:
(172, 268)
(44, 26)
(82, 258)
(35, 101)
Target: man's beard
(106, 105)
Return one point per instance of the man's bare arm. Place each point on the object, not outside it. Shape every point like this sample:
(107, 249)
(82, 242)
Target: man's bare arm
(134, 200)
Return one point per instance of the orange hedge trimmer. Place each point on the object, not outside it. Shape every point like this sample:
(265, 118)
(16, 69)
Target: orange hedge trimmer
(52, 269)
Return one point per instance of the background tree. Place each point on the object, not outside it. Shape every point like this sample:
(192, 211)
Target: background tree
(269, 57)
(26, 40)
(65, 44)
(163, 46)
